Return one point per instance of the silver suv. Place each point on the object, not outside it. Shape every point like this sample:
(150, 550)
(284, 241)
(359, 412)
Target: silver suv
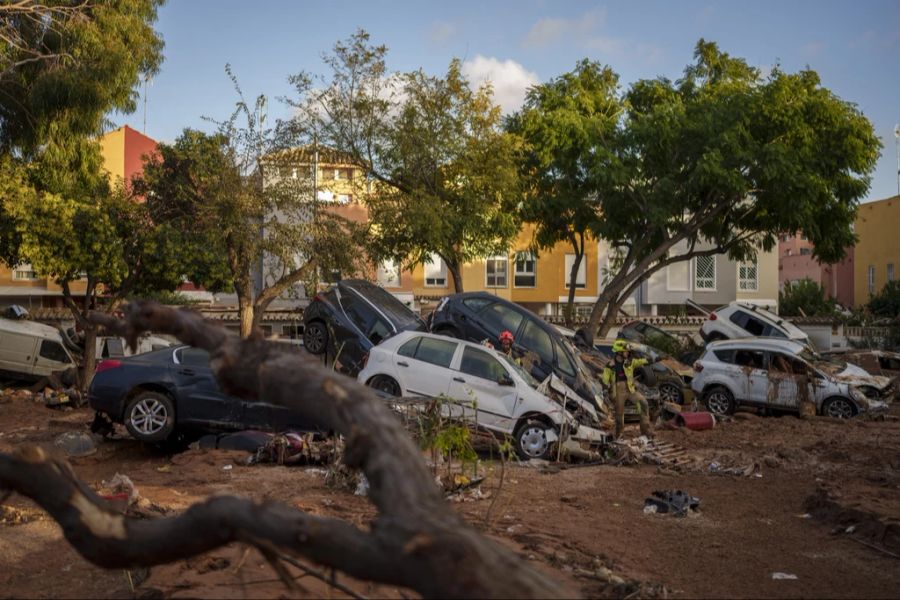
(780, 374)
(743, 320)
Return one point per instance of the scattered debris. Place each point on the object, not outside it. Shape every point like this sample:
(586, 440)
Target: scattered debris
(779, 575)
(654, 452)
(10, 515)
(751, 470)
(696, 421)
(123, 496)
(676, 502)
(76, 443)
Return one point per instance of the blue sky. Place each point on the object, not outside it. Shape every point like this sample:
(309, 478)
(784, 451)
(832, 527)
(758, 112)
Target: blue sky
(854, 46)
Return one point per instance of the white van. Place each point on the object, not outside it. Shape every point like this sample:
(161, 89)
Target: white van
(32, 350)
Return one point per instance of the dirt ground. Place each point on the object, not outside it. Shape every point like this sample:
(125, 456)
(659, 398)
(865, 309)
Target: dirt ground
(822, 506)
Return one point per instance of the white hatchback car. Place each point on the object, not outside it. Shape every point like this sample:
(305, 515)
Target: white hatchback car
(503, 395)
(780, 374)
(743, 320)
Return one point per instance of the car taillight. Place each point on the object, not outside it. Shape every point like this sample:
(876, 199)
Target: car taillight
(107, 364)
(712, 316)
(698, 367)
(365, 360)
(318, 298)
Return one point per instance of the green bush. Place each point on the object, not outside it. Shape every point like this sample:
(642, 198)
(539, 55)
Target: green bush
(805, 298)
(886, 303)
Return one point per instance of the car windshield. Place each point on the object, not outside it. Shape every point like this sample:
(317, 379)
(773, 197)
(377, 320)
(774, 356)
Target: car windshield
(531, 381)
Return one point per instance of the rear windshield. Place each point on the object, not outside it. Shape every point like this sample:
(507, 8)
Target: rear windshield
(399, 314)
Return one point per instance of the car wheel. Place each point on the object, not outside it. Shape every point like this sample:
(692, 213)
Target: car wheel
(719, 401)
(531, 441)
(150, 417)
(669, 392)
(385, 384)
(839, 408)
(315, 337)
(450, 332)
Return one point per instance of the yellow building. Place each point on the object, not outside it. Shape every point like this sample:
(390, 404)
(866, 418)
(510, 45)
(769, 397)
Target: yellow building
(877, 254)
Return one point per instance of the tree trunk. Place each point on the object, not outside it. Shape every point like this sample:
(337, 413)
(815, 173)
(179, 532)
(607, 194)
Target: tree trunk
(456, 275)
(90, 355)
(245, 315)
(569, 313)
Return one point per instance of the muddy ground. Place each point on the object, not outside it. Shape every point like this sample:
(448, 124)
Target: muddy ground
(822, 505)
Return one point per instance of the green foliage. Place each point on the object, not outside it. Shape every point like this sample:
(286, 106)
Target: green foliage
(886, 303)
(807, 298)
(446, 171)
(64, 66)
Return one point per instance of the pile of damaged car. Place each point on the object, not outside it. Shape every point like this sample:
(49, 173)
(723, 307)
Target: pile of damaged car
(506, 372)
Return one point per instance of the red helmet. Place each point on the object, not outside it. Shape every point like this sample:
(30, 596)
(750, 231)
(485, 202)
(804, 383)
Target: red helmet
(506, 336)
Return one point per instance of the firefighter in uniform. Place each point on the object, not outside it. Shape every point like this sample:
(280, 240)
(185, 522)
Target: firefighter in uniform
(618, 376)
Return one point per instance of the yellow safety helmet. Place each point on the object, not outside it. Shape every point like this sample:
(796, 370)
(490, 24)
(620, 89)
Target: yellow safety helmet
(620, 345)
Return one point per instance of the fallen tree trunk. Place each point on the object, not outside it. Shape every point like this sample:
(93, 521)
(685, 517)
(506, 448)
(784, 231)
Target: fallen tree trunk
(416, 541)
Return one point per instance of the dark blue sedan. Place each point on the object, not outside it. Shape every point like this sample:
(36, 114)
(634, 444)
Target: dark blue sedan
(160, 392)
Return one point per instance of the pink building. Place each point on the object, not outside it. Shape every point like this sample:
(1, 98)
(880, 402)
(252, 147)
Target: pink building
(795, 263)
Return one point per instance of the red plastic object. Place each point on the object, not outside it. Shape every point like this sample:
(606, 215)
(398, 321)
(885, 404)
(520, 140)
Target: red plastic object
(712, 316)
(697, 421)
(107, 364)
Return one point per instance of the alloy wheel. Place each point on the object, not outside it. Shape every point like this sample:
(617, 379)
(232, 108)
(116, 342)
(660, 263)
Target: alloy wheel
(149, 416)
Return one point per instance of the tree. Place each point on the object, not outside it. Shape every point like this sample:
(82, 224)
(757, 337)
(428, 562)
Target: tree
(805, 298)
(246, 197)
(886, 303)
(564, 123)
(63, 67)
(722, 161)
(447, 171)
(104, 239)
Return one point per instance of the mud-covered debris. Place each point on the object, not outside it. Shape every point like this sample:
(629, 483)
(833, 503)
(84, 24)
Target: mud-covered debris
(780, 575)
(76, 443)
(675, 502)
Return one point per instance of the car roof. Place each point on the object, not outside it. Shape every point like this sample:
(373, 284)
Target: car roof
(793, 331)
(26, 327)
(758, 343)
(402, 337)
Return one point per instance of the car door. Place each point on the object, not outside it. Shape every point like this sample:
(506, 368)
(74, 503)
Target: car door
(427, 372)
(17, 352)
(201, 401)
(349, 333)
(536, 348)
(50, 357)
(752, 376)
(790, 381)
(478, 381)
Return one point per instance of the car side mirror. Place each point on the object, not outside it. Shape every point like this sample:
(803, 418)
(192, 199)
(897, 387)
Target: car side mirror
(506, 380)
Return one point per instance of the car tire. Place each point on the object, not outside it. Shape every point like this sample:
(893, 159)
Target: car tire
(450, 331)
(315, 337)
(647, 376)
(531, 440)
(386, 384)
(150, 417)
(719, 401)
(669, 392)
(839, 408)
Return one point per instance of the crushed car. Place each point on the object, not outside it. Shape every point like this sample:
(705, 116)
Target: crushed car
(492, 390)
(784, 375)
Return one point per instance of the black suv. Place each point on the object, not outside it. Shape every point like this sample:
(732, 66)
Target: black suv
(354, 315)
(476, 316)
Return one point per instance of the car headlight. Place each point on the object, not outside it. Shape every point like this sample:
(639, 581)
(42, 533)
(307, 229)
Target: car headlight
(859, 396)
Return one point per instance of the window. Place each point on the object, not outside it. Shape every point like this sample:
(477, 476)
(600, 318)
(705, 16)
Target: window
(749, 323)
(499, 318)
(538, 341)
(890, 272)
(748, 276)
(53, 351)
(435, 272)
(344, 198)
(476, 304)
(705, 273)
(194, 357)
(786, 364)
(24, 273)
(113, 347)
(871, 280)
(749, 358)
(678, 276)
(388, 274)
(581, 278)
(366, 319)
(435, 351)
(495, 271)
(409, 348)
(564, 362)
(526, 270)
(481, 364)
(805, 251)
